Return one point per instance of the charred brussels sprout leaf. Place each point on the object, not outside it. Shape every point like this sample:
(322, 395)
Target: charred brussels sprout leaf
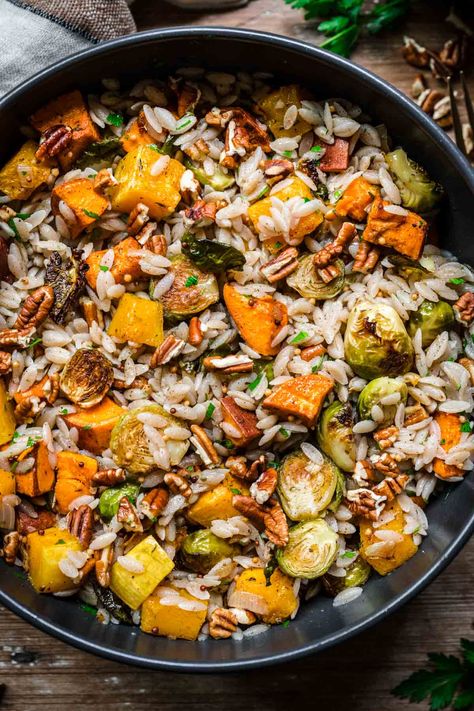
(129, 442)
(335, 436)
(212, 256)
(87, 377)
(67, 277)
(218, 180)
(305, 488)
(310, 551)
(110, 498)
(376, 390)
(113, 604)
(202, 550)
(433, 318)
(192, 291)
(417, 190)
(376, 342)
(357, 574)
(307, 282)
(339, 492)
(99, 151)
(408, 268)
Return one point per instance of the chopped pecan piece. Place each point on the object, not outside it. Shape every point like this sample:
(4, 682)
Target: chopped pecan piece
(229, 364)
(243, 135)
(332, 250)
(276, 169)
(386, 436)
(414, 414)
(464, 308)
(453, 53)
(415, 54)
(364, 473)
(429, 99)
(102, 566)
(222, 623)
(276, 524)
(329, 273)
(14, 337)
(81, 523)
(109, 477)
(311, 352)
(104, 179)
(238, 466)
(137, 219)
(35, 308)
(469, 365)
(178, 484)
(280, 266)
(365, 502)
(366, 258)
(264, 487)
(187, 94)
(54, 140)
(203, 445)
(202, 213)
(90, 312)
(5, 362)
(140, 383)
(386, 464)
(249, 508)
(127, 515)
(418, 86)
(11, 544)
(157, 244)
(391, 486)
(243, 421)
(195, 336)
(26, 410)
(169, 349)
(154, 502)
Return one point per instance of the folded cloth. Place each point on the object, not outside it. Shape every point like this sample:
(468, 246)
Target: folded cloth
(52, 29)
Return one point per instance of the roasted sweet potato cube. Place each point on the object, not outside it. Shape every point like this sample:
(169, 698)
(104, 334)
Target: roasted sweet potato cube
(40, 478)
(95, 424)
(404, 233)
(243, 420)
(135, 135)
(336, 156)
(85, 202)
(69, 110)
(302, 396)
(126, 267)
(403, 549)
(74, 477)
(7, 418)
(356, 198)
(24, 172)
(7, 483)
(450, 430)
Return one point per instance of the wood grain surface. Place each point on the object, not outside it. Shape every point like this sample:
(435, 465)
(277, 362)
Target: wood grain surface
(41, 673)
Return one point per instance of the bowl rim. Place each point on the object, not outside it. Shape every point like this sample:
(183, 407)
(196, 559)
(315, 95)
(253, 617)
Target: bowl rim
(460, 164)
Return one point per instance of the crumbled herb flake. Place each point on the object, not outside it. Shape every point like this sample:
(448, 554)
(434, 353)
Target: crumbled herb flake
(103, 268)
(284, 432)
(209, 411)
(60, 542)
(278, 245)
(301, 336)
(236, 492)
(286, 623)
(337, 194)
(191, 281)
(466, 427)
(63, 411)
(91, 214)
(263, 192)
(87, 427)
(227, 443)
(319, 364)
(287, 154)
(456, 280)
(251, 386)
(348, 554)
(114, 119)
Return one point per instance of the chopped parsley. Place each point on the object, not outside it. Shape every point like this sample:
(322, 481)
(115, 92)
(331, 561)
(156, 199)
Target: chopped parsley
(184, 124)
(31, 441)
(316, 149)
(263, 192)
(251, 386)
(13, 227)
(89, 609)
(319, 364)
(191, 281)
(457, 280)
(236, 492)
(348, 554)
(16, 435)
(284, 432)
(154, 147)
(87, 427)
(210, 410)
(285, 624)
(34, 342)
(91, 214)
(103, 268)
(442, 441)
(227, 443)
(337, 194)
(60, 542)
(114, 119)
(466, 427)
(64, 411)
(278, 245)
(287, 154)
(301, 336)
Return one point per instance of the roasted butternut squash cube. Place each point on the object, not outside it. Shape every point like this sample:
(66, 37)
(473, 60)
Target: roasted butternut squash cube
(302, 396)
(278, 599)
(258, 319)
(139, 320)
(45, 550)
(95, 424)
(336, 156)
(24, 173)
(7, 483)
(135, 135)
(403, 549)
(41, 389)
(404, 233)
(182, 620)
(304, 226)
(126, 267)
(40, 478)
(356, 198)
(85, 202)
(7, 418)
(243, 420)
(160, 193)
(217, 503)
(70, 110)
(134, 588)
(74, 476)
(275, 106)
(450, 430)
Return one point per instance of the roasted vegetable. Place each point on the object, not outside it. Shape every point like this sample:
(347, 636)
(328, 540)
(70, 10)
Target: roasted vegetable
(137, 319)
(7, 418)
(217, 503)
(40, 478)
(193, 290)
(24, 173)
(67, 277)
(95, 425)
(219, 180)
(356, 198)
(130, 446)
(100, 152)
(433, 318)
(339, 492)
(112, 604)
(335, 436)
(110, 498)
(417, 190)
(134, 587)
(408, 268)
(307, 282)
(181, 620)
(211, 255)
(201, 550)
(83, 202)
(274, 107)
(373, 393)
(450, 435)
(135, 135)
(272, 597)
(310, 551)
(44, 551)
(86, 378)
(305, 488)
(74, 478)
(376, 342)
(357, 573)
(302, 396)
(336, 156)
(400, 550)
(126, 267)
(7, 483)
(258, 319)
(160, 193)
(244, 421)
(405, 233)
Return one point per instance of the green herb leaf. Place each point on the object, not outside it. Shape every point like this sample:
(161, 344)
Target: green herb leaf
(284, 432)
(466, 427)
(386, 14)
(316, 149)
(227, 443)
(191, 281)
(103, 268)
(343, 42)
(349, 554)
(286, 623)
(287, 154)
(114, 119)
(60, 542)
(253, 384)
(301, 336)
(87, 427)
(209, 411)
(91, 214)
(236, 492)
(456, 280)
(34, 342)
(319, 364)
(334, 25)
(211, 255)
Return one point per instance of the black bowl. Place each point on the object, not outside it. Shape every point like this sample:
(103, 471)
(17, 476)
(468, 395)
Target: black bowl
(318, 625)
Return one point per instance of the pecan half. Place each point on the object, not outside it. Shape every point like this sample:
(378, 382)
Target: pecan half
(391, 486)
(249, 508)
(366, 257)
(222, 623)
(464, 308)
(311, 352)
(102, 566)
(414, 414)
(365, 502)
(154, 502)
(195, 336)
(364, 473)
(415, 54)
(418, 86)
(276, 169)
(238, 467)
(137, 219)
(35, 308)
(109, 477)
(276, 524)
(178, 484)
(264, 487)
(243, 135)
(90, 312)
(229, 364)
(5, 362)
(453, 53)
(386, 464)
(81, 523)
(332, 250)
(280, 266)
(169, 349)
(11, 544)
(14, 337)
(127, 515)
(203, 445)
(202, 213)
(429, 99)
(26, 410)
(157, 244)
(53, 141)
(386, 436)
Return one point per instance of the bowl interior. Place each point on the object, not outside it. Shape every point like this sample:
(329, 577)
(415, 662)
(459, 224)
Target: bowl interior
(155, 54)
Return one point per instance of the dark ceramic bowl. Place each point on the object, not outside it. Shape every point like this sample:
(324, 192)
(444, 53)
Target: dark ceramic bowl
(318, 625)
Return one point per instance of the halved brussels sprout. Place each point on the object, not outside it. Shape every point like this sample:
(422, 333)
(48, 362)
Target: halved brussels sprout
(218, 180)
(376, 342)
(307, 282)
(202, 550)
(335, 436)
(192, 291)
(87, 377)
(408, 268)
(417, 190)
(375, 391)
(66, 274)
(310, 551)
(357, 573)
(339, 493)
(305, 489)
(110, 498)
(433, 318)
(130, 446)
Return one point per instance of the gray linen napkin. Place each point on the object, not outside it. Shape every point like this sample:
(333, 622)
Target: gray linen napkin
(36, 33)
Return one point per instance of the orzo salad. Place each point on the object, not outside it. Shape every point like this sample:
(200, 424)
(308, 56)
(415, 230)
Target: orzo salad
(234, 365)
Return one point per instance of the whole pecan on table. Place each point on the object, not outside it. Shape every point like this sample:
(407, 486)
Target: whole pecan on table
(53, 141)
(81, 523)
(464, 308)
(280, 266)
(222, 623)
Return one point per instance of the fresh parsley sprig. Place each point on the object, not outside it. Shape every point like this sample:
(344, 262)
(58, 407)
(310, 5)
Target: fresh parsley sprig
(345, 21)
(449, 682)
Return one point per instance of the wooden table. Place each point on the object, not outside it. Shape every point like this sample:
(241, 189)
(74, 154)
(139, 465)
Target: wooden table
(42, 673)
